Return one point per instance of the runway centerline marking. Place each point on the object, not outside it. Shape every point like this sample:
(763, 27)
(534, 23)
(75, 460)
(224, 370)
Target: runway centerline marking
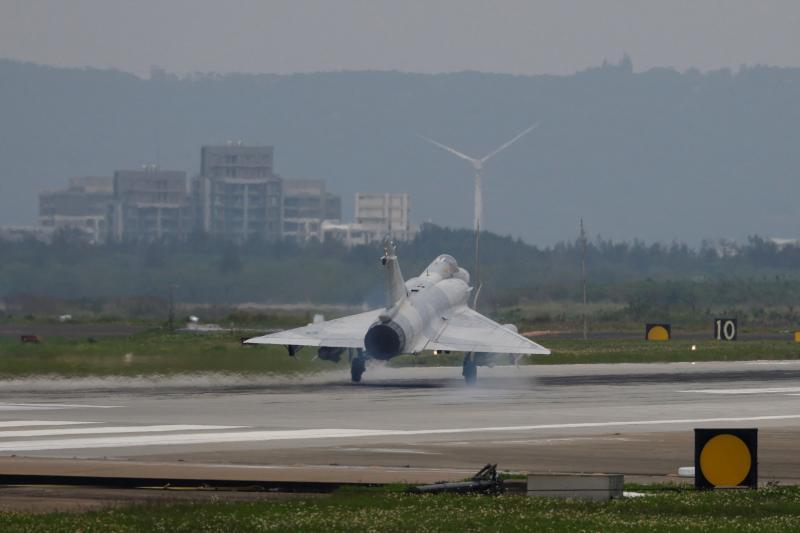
(311, 434)
(767, 390)
(28, 423)
(110, 430)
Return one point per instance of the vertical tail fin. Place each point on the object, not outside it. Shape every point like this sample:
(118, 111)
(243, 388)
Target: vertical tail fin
(395, 286)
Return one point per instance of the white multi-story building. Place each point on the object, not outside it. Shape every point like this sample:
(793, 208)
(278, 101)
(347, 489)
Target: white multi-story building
(237, 195)
(150, 205)
(377, 216)
(385, 215)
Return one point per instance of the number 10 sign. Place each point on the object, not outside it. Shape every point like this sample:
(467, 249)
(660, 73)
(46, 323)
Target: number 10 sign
(725, 329)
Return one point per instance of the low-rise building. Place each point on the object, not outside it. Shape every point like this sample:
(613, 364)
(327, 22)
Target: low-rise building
(150, 205)
(306, 205)
(385, 215)
(377, 216)
(348, 234)
(83, 206)
(15, 233)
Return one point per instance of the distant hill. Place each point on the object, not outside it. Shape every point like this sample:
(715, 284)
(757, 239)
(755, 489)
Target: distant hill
(658, 155)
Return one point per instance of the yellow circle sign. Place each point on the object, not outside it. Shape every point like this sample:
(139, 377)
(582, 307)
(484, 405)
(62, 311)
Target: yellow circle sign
(725, 461)
(658, 333)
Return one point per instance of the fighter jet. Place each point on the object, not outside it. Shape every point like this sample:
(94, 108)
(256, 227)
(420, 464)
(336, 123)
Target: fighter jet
(427, 313)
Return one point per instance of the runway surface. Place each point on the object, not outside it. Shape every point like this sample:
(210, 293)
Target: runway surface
(634, 419)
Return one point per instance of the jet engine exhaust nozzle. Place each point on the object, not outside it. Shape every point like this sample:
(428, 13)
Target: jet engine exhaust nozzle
(385, 340)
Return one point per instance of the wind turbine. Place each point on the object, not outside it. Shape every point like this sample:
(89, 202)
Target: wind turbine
(477, 166)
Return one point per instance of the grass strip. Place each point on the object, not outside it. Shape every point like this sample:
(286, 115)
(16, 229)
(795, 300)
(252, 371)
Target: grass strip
(157, 352)
(772, 509)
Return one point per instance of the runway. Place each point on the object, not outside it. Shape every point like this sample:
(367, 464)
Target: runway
(634, 419)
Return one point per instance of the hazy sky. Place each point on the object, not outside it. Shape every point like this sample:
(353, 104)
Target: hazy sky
(513, 36)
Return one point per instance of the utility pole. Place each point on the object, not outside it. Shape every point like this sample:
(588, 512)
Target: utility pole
(583, 281)
(171, 316)
(477, 257)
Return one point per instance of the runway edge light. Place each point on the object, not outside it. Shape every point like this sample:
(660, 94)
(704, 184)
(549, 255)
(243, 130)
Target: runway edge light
(725, 458)
(657, 332)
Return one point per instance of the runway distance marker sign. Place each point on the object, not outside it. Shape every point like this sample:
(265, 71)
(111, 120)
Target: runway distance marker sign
(726, 458)
(658, 332)
(725, 329)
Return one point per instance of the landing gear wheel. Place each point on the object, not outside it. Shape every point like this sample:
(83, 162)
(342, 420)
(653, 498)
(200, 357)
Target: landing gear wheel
(470, 371)
(357, 368)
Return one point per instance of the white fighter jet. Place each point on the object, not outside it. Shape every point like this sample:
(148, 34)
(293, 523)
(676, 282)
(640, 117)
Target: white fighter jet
(426, 313)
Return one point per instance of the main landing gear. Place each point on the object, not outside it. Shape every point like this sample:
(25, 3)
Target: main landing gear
(357, 366)
(470, 369)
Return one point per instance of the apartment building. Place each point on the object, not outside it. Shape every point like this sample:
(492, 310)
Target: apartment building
(150, 205)
(385, 214)
(237, 194)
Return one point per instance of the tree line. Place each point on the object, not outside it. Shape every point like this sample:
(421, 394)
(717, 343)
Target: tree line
(640, 275)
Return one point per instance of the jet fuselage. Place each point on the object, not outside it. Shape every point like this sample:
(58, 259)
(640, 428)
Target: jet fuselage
(404, 327)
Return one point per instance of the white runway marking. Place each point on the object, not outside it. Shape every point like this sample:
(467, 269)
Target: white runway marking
(110, 430)
(771, 362)
(306, 434)
(28, 423)
(49, 406)
(390, 450)
(770, 390)
(561, 440)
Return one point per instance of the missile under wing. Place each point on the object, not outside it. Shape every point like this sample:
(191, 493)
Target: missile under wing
(426, 313)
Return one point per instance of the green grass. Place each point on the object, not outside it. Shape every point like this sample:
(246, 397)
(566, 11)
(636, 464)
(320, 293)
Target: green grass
(160, 353)
(150, 353)
(773, 509)
(568, 351)
(641, 351)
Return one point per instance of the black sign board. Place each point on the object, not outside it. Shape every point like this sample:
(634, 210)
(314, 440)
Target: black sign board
(725, 329)
(725, 458)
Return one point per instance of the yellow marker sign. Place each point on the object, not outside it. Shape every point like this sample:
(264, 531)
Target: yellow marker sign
(726, 458)
(658, 332)
(797, 336)
(725, 461)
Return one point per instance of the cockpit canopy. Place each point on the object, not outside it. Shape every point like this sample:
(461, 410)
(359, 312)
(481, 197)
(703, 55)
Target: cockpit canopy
(445, 266)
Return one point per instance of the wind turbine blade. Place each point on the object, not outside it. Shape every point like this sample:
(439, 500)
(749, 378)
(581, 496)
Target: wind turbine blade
(509, 143)
(451, 150)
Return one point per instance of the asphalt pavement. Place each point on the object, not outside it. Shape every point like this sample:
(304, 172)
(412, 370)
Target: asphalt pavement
(631, 418)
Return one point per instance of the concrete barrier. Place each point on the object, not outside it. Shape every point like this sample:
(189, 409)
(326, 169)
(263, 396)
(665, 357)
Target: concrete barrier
(582, 486)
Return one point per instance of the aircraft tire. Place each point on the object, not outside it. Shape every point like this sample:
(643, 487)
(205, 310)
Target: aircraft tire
(470, 372)
(357, 368)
